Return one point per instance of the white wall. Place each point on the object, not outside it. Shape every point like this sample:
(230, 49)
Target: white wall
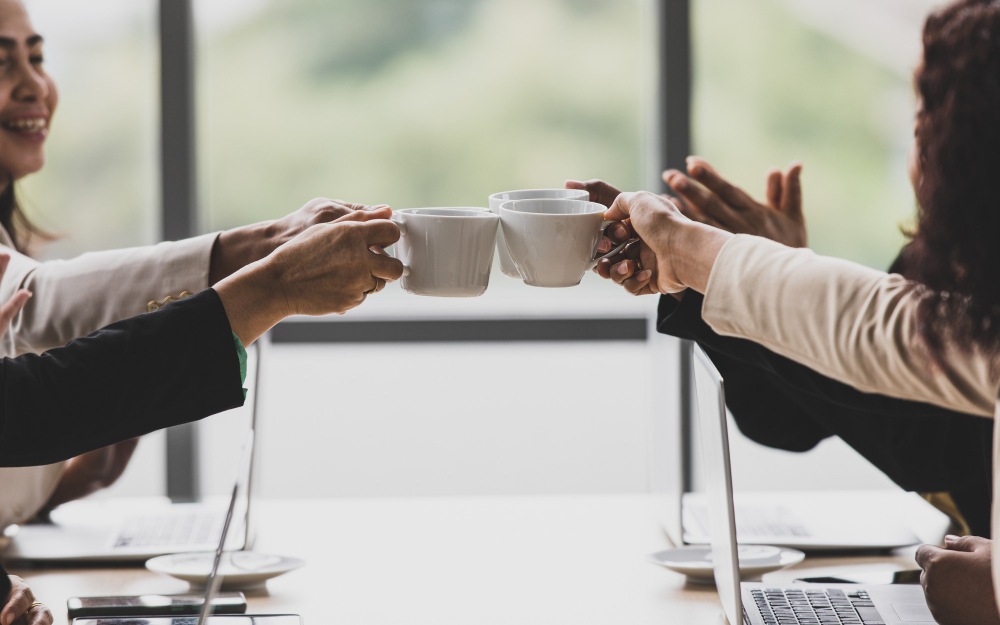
(458, 419)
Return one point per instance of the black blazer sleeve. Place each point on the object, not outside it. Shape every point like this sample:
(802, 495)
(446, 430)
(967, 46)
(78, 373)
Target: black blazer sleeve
(780, 403)
(159, 369)
(4, 587)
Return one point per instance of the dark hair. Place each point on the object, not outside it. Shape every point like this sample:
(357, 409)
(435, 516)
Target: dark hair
(956, 246)
(17, 224)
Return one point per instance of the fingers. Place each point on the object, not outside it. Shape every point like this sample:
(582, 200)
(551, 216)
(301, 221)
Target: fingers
(707, 202)
(966, 543)
(791, 201)
(600, 191)
(927, 554)
(386, 267)
(380, 232)
(621, 208)
(732, 195)
(367, 213)
(18, 602)
(774, 188)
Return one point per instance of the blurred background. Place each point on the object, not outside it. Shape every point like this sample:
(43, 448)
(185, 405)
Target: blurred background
(439, 103)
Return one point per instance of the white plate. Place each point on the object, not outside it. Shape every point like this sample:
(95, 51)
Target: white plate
(695, 561)
(240, 570)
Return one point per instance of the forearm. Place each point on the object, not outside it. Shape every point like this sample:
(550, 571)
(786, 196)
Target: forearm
(72, 298)
(236, 248)
(92, 472)
(173, 366)
(250, 304)
(848, 322)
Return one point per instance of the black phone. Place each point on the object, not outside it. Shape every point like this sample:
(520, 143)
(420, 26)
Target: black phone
(218, 619)
(154, 605)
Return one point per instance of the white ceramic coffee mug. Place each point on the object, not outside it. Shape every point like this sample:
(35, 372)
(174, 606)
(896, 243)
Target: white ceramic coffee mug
(447, 252)
(506, 264)
(553, 242)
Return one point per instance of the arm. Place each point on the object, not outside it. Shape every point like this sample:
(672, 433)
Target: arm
(843, 320)
(179, 364)
(17, 603)
(75, 297)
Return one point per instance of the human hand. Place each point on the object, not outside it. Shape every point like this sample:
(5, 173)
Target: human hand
(958, 582)
(238, 247)
(711, 199)
(21, 607)
(89, 473)
(10, 308)
(603, 193)
(329, 268)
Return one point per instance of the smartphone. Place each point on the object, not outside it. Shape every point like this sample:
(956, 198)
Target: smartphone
(219, 619)
(154, 605)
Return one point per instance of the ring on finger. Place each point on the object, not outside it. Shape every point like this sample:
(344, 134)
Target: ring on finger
(374, 289)
(36, 604)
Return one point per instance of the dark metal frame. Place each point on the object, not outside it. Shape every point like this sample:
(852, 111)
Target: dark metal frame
(179, 217)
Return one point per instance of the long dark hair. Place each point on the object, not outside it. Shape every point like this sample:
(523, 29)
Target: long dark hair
(956, 246)
(16, 223)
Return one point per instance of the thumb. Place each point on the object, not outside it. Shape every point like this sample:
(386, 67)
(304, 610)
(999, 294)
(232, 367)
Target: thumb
(966, 543)
(621, 208)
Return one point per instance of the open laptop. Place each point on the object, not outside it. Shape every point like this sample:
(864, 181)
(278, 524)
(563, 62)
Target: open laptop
(214, 580)
(762, 604)
(135, 529)
(810, 521)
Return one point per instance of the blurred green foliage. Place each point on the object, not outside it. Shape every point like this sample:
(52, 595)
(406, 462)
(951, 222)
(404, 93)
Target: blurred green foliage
(441, 102)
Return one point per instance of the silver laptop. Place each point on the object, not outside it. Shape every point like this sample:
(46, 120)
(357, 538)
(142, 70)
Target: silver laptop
(134, 529)
(810, 521)
(764, 604)
(214, 580)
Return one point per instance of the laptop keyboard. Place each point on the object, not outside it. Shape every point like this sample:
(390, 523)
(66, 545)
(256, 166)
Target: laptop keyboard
(189, 528)
(754, 521)
(829, 606)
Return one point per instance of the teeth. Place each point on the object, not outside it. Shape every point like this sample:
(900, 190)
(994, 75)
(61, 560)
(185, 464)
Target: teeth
(28, 125)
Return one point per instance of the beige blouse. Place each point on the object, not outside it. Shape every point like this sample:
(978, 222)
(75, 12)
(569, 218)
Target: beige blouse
(850, 323)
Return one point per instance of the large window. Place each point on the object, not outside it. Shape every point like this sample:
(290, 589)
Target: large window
(435, 103)
(827, 83)
(99, 187)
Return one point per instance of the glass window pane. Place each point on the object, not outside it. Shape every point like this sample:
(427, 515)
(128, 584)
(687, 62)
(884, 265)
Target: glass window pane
(825, 83)
(99, 187)
(431, 103)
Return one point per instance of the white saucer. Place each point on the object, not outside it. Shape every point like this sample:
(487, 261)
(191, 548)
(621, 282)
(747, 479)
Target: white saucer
(695, 561)
(239, 570)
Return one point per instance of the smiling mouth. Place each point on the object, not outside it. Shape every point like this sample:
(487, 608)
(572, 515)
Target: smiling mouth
(35, 124)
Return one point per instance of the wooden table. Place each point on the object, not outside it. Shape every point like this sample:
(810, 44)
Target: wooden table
(503, 560)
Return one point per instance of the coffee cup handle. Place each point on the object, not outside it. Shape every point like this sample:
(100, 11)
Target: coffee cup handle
(612, 253)
(391, 250)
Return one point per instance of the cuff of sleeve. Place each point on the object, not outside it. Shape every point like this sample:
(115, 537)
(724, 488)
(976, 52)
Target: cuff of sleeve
(241, 356)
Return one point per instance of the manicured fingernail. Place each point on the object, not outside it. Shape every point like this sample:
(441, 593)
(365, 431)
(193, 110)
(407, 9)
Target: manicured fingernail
(622, 269)
(950, 538)
(604, 246)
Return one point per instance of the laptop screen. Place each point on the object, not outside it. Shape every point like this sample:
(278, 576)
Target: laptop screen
(710, 408)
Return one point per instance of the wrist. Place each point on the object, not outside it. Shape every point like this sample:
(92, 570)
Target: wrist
(693, 248)
(254, 300)
(237, 248)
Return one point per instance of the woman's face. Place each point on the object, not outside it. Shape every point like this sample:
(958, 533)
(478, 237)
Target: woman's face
(28, 95)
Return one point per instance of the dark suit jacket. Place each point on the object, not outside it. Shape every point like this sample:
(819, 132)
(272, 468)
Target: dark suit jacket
(780, 403)
(172, 366)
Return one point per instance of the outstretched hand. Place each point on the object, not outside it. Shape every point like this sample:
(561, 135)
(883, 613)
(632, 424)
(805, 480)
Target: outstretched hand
(711, 199)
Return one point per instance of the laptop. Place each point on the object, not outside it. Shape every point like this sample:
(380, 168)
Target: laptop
(214, 580)
(765, 604)
(794, 519)
(132, 529)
